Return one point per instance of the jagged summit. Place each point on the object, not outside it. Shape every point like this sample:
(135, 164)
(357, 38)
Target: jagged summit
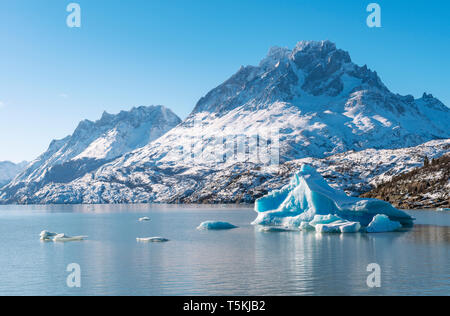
(312, 68)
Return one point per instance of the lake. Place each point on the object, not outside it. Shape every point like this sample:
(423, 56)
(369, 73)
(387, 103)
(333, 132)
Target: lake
(242, 261)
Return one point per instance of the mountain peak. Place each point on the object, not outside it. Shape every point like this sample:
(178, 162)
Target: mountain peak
(311, 68)
(324, 45)
(93, 143)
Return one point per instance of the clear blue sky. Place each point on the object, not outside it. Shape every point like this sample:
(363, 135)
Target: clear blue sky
(172, 52)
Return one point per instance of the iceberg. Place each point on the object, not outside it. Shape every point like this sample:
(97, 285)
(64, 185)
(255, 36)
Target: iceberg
(309, 203)
(211, 225)
(46, 235)
(382, 224)
(144, 219)
(152, 239)
(49, 236)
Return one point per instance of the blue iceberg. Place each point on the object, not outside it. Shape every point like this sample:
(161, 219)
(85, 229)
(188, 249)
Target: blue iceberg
(211, 225)
(308, 202)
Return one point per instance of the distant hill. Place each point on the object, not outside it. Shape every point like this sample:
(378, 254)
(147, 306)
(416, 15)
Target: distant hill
(424, 187)
(8, 170)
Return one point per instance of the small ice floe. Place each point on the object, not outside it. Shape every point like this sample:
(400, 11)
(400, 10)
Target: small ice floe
(46, 235)
(152, 239)
(212, 225)
(382, 224)
(144, 219)
(49, 236)
(443, 209)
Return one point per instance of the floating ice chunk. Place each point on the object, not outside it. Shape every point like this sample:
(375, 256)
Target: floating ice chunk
(46, 235)
(211, 225)
(152, 239)
(144, 219)
(308, 195)
(64, 238)
(49, 236)
(443, 209)
(382, 224)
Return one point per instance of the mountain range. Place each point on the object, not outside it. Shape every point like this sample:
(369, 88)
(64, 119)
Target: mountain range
(92, 145)
(320, 105)
(8, 170)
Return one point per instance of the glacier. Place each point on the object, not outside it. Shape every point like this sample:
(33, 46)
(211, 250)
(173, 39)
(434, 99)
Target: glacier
(308, 202)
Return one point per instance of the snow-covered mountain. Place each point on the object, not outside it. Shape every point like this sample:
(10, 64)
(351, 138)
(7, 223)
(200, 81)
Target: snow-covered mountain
(313, 98)
(353, 172)
(316, 98)
(91, 145)
(8, 170)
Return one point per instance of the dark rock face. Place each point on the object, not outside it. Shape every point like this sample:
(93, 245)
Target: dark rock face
(323, 64)
(425, 187)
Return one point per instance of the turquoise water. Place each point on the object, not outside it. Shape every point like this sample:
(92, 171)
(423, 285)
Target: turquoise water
(243, 261)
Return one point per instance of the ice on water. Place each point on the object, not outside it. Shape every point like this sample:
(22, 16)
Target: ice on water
(308, 202)
(152, 239)
(212, 225)
(49, 236)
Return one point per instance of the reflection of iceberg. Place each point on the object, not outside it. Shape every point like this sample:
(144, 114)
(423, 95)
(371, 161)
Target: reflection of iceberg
(152, 239)
(275, 229)
(211, 225)
(382, 224)
(308, 202)
(49, 236)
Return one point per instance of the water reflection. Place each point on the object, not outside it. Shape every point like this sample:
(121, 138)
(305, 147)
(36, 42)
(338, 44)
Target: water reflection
(244, 261)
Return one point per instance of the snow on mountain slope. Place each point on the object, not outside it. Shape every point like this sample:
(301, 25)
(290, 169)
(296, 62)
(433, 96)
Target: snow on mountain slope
(312, 101)
(92, 144)
(318, 101)
(354, 172)
(8, 170)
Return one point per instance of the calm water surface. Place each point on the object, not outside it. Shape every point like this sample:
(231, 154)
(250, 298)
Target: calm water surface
(243, 261)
